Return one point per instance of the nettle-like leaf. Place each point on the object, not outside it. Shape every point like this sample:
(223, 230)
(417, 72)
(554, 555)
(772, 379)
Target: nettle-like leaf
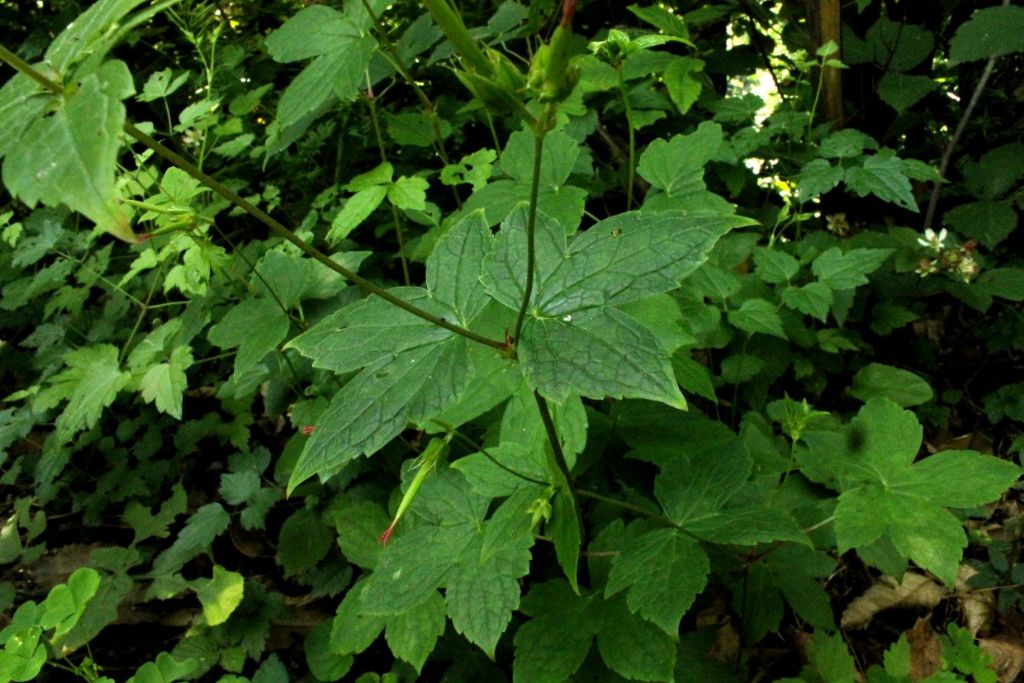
(90, 383)
(73, 159)
(476, 562)
(887, 496)
(574, 339)
(339, 45)
(554, 643)
(555, 198)
(411, 369)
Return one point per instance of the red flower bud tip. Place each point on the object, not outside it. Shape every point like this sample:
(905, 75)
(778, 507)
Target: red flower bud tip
(143, 237)
(386, 536)
(970, 245)
(308, 429)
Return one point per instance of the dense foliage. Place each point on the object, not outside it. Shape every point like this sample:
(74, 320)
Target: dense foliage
(669, 342)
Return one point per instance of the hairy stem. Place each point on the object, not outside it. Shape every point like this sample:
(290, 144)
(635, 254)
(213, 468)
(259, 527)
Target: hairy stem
(556, 445)
(275, 226)
(531, 231)
(631, 171)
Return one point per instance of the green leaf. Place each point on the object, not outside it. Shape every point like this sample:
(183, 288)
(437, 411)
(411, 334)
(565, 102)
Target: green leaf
(165, 669)
(416, 129)
(358, 525)
(635, 648)
(814, 299)
(990, 32)
(695, 491)
(255, 326)
(73, 159)
(381, 174)
(845, 271)
(902, 91)
(757, 315)
(165, 383)
(683, 82)
(900, 386)
(341, 55)
(676, 166)
(886, 495)
(817, 177)
(409, 193)
(454, 266)
(831, 659)
(202, 527)
(989, 222)
(775, 266)
(564, 529)
(596, 353)
(220, 595)
(304, 541)
(664, 571)
(66, 602)
(693, 377)
(551, 646)
(90, 383)
(323, 661)
(473, 169)
(882, 175)
(356, 210)
(741, 367)
(413, 634)
(846, 143)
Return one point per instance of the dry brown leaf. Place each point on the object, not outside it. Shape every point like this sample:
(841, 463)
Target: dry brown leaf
(726, 645)
(916, 590)
(925, 650)
(978, 607)
(1007, 655)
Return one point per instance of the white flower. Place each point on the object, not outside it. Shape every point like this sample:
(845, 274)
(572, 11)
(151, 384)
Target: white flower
(933, 241)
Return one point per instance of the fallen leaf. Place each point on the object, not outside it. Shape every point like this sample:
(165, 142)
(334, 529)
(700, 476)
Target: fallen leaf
(916, 590)
(1007, 656)
(978, 607)
(925, 649)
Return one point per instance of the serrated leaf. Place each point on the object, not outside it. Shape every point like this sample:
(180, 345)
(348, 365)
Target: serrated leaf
(848, 270)
(72, 161)
(813, 299)
(454, 266)
(412, 634)
(676, 166)
(165, 383)
(901, 386)
(596, 353)
(255, 326)
(304, 540)
(757, 315)
(989, 222)
(409, 193)
(357, 209)
(552, 646)
(817, 177)
(990, 32)
(882, 175)
(664, 571)
(564, 529)
(775, 266)
(220, 595)
(202, 527)
(375, 406)
(90, 383)
(886, 495)
(902, 91)
(633, 647)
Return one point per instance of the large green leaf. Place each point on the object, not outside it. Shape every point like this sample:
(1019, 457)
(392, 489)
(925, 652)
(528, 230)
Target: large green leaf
(990, 32)
(341, 51)
(676, 166)
(90, 383)
(255, 326)
(886, 495)
(664, 571)
(573, 341)
(72, 159)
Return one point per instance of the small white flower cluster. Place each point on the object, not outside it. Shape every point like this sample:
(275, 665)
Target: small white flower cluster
(958, 260)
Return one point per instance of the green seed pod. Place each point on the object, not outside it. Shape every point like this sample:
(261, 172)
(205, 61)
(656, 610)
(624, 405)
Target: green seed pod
(506, 75)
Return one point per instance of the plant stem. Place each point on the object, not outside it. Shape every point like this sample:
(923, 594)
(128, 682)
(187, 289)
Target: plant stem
(371, 103)
(531, 231)
(631, 173)
(556, 444)
(643, 512)
(275, 226)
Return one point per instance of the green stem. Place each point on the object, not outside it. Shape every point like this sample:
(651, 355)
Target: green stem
(455, 30)
(531, 230)
(556, 445)
(371, 103)
(623, 505)
(275, 226)
(632, 139)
